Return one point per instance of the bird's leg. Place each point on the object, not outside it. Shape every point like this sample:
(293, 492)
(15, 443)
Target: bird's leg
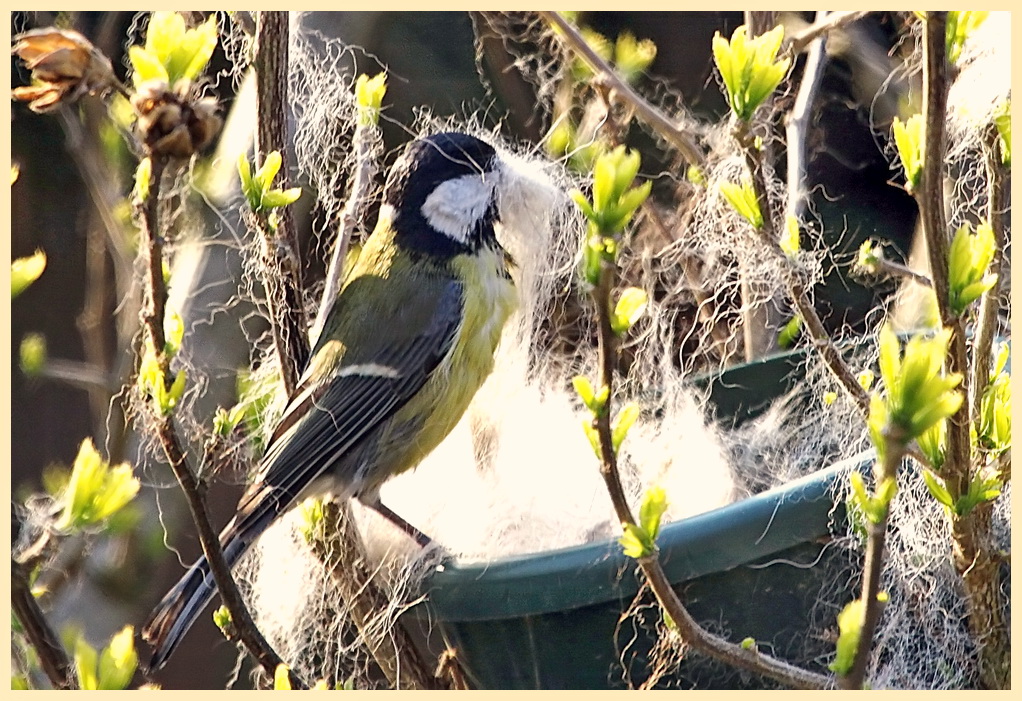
(418, 536)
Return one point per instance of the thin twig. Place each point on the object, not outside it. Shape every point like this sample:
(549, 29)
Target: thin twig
(101, 187)
(823, 343)
(873, 568)
(797, 127)
(930, 197)
(342, 553)
(796, 288)
(973, 557)
(365, 170)
(834, 20)
(644, 111)
(241, 619)
(690, 631)
(897, 270)
(78, 374)
(153, 313)
(283, 279)
(93, 325)
(990, 306)
(53, 657)
(156, 290)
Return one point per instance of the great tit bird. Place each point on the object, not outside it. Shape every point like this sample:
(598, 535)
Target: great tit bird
(408, 342)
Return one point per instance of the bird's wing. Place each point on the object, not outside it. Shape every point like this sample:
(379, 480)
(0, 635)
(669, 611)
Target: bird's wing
(328, 417)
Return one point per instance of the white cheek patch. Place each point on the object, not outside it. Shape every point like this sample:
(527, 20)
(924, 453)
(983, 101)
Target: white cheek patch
(455, 206)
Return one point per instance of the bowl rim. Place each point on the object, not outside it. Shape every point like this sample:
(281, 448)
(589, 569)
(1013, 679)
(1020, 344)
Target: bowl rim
(799, 511)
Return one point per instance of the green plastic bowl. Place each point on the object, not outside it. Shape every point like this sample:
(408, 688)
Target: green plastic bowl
(552, 620)
(755, 568)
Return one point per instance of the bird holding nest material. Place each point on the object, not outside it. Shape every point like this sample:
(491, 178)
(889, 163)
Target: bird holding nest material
(410, 339)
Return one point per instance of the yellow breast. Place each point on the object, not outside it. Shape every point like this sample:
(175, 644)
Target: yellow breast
(490, 298)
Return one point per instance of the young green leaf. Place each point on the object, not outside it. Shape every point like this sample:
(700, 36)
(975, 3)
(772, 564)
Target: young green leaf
(584, 388)
(281, 680)
(118, 661)
(369, 94)
(225, 421)
(280, 198)
(594, 438)
(908, 138)
(173, 52)
(635, 541)
(248, 187)
(143, 174)
(790, 238)
(994, 430)
(170, 399)
(560, 139)
(312, 513)
(86, 659)
(632, 57)
(95, 490)
(938, 489)
(1002, 121)
(870, 257)
(749, 69)
(222, 618)
(919, 393)
(969, 259)
(866, 378)
(173, 332)
(932, 442)
(652, 510)
(25, 271)
(601, 46)
(146, 66)
(264, 176)
(789, 333)
(695, 176)
(849, 623)
(33, 354)
(960, 24)
(743, 199)
(872, 507)
(625, 419)
(983, 487)
(613, 203)
(628, 310)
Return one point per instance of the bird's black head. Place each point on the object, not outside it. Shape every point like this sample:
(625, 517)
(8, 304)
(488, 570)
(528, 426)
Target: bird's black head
(442, 191)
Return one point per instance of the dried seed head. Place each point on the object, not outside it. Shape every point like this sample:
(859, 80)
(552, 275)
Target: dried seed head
(64, 65)
(174, 123)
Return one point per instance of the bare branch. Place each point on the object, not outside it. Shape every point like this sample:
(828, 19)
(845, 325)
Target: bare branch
(341, 552)
(834, 20)
(365, 170)
(797, 128)
(644, 111)
(990, 306)
(53, 657)
(153, 314)
(282, 278)
(690, 631)
(874, 565)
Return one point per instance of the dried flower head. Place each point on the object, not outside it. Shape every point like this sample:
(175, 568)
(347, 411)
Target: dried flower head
(174, 123)
(64, 65)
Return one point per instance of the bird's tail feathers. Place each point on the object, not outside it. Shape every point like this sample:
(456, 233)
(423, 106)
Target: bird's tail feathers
(183, 604)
